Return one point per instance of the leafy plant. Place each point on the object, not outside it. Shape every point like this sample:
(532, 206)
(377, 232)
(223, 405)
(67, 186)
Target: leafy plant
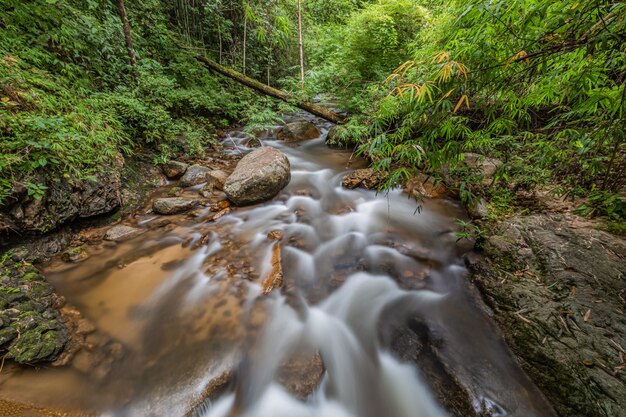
(470, 231)
(37, 191)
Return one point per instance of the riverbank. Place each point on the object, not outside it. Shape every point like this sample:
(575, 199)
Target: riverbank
(557, 287)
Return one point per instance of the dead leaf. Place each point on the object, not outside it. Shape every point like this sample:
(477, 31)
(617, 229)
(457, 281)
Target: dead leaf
(220, 214)
(587, 315)
(275, 235)
(275, 278)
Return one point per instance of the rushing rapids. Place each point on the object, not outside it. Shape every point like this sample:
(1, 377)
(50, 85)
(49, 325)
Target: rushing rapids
(185, 303)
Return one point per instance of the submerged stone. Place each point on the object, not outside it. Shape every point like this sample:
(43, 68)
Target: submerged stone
(74, 254)
(363, 178)
(122, 232)
(173, 205)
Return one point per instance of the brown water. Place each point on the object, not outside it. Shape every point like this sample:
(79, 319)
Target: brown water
(184, 304)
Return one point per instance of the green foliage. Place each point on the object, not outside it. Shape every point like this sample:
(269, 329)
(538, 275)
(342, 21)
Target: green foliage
(261, 117)
(350, 56)
(10, 290)
(604, 203)
(70, 103)
(470, 231)
(537, 84)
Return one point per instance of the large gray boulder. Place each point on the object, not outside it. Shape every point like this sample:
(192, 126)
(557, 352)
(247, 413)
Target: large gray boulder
(298, 131)
(195, 174)
(173, 205)
(258, 177)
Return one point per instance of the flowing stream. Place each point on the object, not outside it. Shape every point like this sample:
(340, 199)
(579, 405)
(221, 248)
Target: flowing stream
(181, 306)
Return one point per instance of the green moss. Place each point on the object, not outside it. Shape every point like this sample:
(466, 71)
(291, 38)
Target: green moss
(36, 345)
(7, 334)
(31, 276)
(74, 254)
(30, 330)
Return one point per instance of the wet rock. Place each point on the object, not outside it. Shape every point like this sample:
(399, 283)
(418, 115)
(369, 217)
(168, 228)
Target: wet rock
(557, 292)
(298, 131)
(258, 177)
(363, 178)
(212, 391)
(174, 192)
(482, 165)
(195, 174)
(215, 180)
(478, 209)
(160, 223)
(276, 235)
(253, 143)
(74, 254)
(138, 180)
(30, 326)
(122, 232)
(220, 214)
(64, 200)
(302, 374)
(41, 249)
(424, 185)
(275, 277)
(335, 139)
(173, 205)
(174, 169)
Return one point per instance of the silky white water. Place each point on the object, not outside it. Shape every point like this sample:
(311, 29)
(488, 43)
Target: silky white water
(361, 271)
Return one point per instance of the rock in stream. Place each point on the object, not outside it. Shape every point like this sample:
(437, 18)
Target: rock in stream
(258, 177)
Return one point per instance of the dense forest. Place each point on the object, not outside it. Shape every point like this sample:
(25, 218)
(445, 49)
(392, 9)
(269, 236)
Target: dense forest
(360, 208)
(538, 84)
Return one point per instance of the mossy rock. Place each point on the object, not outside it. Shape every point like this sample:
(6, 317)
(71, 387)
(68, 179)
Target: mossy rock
(30, 326)
(36, 345)
(7, 334)
(74, 254)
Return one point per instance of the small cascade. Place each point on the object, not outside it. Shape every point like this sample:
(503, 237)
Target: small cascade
(359, 379)
(185, 302)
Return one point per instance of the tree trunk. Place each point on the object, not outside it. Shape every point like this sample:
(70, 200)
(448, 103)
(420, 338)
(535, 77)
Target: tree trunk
(245, 36)
(127, 35)
(219, 34)
(313, 108)
(300, 45)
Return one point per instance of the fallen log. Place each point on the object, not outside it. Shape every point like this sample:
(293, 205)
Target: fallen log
(313, 108)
